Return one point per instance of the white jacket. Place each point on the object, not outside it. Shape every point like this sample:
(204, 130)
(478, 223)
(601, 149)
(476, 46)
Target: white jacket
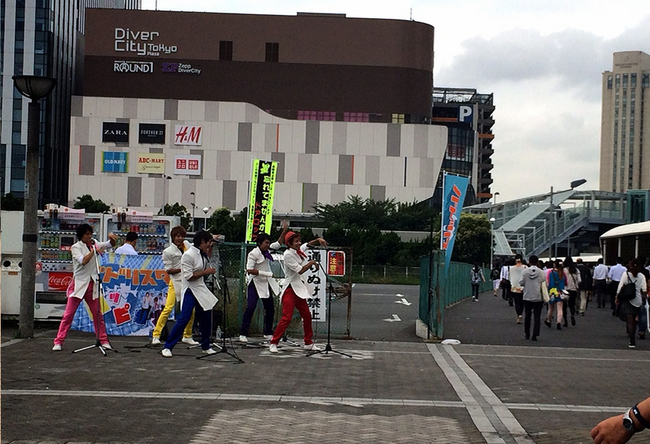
(171, 258)
(83, 274)
(193, 260)
(257, 261)
(292, 265)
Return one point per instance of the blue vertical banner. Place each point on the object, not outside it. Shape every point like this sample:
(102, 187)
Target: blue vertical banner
(454, 190)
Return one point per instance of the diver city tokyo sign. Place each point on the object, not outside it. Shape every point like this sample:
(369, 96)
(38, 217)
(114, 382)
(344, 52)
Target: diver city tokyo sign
(142, 43)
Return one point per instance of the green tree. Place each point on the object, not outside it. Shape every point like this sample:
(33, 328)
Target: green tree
(472, 239)
(91, 205)
(177, 210)
(223, 222)
(12, 203)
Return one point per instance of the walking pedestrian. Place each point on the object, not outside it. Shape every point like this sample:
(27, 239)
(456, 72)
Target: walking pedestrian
(614, 277)
(643, 312)
(496, 280)
(573, 283)
(628, 309)
(516, 291)
(476, 276)
(556, 285)
(600, 283)
(535, 294)
(505, 280)
(586, 287)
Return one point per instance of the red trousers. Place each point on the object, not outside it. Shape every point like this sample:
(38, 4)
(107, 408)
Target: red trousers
(71, 308)
(290, 301)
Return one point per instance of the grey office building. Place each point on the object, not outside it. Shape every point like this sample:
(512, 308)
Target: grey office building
(44, 38)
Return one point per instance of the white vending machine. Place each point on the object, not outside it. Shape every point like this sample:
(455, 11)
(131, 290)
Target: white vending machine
(57, 233)
(153, 231)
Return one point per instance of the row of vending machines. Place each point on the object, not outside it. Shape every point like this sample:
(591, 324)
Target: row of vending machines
(56, 235)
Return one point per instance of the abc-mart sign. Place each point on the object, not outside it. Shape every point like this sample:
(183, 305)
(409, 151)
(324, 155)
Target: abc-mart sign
(133, 66)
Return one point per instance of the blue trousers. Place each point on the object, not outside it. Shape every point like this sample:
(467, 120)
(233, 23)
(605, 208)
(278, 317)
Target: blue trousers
(269, 312)
(204, 318)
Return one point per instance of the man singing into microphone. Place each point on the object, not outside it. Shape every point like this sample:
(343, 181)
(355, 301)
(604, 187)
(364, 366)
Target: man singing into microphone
(196, 295)
(295, 292)
(85, 284)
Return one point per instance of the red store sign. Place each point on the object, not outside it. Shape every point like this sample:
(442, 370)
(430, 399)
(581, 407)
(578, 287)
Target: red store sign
(58, 281)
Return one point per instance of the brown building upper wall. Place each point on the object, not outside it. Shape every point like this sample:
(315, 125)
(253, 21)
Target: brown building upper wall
(312, 39)
(334, 64)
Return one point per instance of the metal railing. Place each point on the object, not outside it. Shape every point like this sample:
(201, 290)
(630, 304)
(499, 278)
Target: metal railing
(438, 291)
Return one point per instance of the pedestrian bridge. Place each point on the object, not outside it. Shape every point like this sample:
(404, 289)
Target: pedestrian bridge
(535, 224)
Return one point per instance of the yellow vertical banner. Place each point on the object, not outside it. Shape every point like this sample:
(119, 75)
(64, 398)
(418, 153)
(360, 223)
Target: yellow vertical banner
(260, 207)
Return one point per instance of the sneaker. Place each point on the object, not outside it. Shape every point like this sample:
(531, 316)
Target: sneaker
(155, 341)
(268, 337)
(631, 345)
(559, 326)
(167, 353)
(107, 346)
(534, 338)
(209, 352)
(273, 348)
(518, 319)
(311, 347)
(243, 339)
(547, 323)
(56, 348)
(189, 341)
(573, 320)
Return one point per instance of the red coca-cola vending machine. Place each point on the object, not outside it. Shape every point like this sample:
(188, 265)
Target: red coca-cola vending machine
(57, 233)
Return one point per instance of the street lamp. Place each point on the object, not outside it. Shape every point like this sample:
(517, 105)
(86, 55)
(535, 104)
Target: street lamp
(34, 88)
(193, 207)
(205, 219)
(165, 177)
(492, 221)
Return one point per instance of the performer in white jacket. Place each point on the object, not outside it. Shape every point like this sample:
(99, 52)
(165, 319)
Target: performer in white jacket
(196, 295)
(261, 283)
(172, 262)
(85, 284)
(295, 292)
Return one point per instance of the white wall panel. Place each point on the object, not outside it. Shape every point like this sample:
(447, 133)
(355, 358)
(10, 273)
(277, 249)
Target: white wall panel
(326, 138)
(407, 141)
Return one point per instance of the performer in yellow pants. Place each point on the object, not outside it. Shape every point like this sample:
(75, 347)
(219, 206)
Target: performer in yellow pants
(172, 261)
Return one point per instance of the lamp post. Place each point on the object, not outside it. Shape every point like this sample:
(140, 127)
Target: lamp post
(205, 218)
(193, 203)
(165, 178)
(492, 220)
(34, 88)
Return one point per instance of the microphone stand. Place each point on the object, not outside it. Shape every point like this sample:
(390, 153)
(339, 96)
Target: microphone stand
(328, 346)
(223, 348)
(97, 344)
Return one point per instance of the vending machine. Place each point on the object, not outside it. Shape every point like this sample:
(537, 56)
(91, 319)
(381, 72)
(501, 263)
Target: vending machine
(153, 231)
(57, 233)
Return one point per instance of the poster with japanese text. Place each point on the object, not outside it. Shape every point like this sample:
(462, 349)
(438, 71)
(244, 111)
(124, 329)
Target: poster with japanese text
(135, 292)
(316, 281)
(260, 208)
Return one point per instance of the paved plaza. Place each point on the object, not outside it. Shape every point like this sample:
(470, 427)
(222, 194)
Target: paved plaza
(506, 391)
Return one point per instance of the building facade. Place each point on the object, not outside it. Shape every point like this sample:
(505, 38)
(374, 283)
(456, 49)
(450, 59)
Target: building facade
(43, 38)
(469, 117)
(624, 151)
(144, 153)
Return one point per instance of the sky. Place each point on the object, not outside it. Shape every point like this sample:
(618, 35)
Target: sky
(543, 60)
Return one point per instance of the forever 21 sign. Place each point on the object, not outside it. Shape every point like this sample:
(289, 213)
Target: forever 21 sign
(115, 132)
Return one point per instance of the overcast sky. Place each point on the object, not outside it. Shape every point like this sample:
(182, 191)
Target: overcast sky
(542, 59)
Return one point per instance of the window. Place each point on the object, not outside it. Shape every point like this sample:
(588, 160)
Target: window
(356, 117)
(225, 50)
(398, 118)
(646, 80)
(617, 83)
(316, 115)
(609, 82)
(624, 80)
(272, 52)
(633, 80)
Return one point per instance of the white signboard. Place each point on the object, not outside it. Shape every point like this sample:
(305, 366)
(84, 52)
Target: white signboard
(188, 135)
(189, 164)
(317, 284)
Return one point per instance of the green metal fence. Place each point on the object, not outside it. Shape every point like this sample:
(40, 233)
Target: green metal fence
(232, 259)
(438, 291)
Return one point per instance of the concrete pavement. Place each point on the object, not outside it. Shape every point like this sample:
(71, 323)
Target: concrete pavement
(507, 391)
